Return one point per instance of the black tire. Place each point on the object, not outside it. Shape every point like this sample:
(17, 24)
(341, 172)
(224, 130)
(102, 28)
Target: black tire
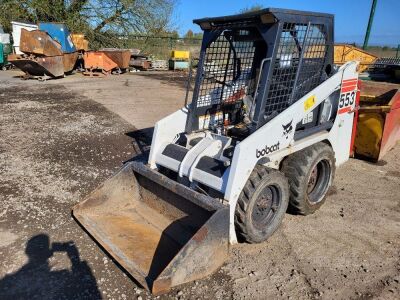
(310, 173)
(262, 205)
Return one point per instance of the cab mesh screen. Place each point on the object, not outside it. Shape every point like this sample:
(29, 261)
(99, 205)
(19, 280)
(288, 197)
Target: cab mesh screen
(298, 66)
(227, 70)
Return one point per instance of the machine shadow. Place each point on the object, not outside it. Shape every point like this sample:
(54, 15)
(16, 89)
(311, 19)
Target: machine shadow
(168, 247)
(186, 219)
(141, 141)
(38, 279)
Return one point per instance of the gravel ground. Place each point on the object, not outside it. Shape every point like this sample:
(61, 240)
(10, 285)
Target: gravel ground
(57, 144)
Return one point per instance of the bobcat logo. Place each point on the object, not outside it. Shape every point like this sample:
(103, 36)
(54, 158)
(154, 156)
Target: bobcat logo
(287, 129)
(267, 150)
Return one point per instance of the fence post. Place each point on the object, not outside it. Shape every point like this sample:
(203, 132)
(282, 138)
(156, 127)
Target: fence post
(398, 51)
(371, 19)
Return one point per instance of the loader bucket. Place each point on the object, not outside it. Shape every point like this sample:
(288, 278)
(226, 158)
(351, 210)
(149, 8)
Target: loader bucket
(161, 232)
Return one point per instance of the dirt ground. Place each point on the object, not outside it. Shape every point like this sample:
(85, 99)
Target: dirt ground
(60, 139)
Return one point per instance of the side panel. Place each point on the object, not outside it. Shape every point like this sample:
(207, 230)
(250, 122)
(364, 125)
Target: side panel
(391, 131)
(60, 33)
(165, 131)
(340, 136)
(274, 140)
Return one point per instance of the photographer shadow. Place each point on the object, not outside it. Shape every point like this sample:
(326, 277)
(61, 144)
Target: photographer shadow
(38, 280)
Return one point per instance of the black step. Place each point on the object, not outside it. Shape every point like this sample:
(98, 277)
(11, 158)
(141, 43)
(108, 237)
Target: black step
(175, 151)
(212, 166)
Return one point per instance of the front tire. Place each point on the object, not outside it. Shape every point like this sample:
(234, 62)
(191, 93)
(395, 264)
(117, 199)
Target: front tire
(262, 205)
(310, 173)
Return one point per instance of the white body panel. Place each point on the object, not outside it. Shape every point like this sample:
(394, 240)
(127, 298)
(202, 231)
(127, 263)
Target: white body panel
(165, 131)
(5, 38)
(270, 141)
(16, 33)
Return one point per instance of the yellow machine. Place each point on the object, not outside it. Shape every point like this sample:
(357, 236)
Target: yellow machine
(176, 54)
(344, 53)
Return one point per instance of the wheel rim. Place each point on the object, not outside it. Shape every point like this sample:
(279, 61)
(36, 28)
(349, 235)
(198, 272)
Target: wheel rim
(318, 181)
(265, 207)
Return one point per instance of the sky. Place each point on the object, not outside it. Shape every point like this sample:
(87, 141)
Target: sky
(351, 16)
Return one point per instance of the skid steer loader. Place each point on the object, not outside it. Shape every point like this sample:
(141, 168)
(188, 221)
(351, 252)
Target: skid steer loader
(270, 120)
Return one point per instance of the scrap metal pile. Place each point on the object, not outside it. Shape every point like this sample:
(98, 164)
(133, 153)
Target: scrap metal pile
(47, 52)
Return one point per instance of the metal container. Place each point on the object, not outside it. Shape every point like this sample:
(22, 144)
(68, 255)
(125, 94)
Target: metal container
(378, 126)
(16, 33)
(178, 64)
(79, 41)
(39, 43)
(69, 61)
(5, 50)
(3, 60)
(140, 63)
(59, 32)
(120, 56)
(51, 66)
(98, 60)
(176, 54)
(2, 56)
(344, 53)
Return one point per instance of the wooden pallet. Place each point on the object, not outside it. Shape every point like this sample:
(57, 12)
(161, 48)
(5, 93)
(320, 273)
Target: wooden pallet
(159, 65)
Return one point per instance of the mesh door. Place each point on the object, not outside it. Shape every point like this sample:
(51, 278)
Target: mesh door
(227, 71)
(298, 66)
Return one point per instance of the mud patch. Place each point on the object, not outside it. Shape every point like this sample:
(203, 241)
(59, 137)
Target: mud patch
(332, 191)
(393, 173)
(7, 238)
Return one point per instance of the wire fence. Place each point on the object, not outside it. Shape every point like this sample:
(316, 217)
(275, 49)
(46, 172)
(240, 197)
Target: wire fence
(161, 47)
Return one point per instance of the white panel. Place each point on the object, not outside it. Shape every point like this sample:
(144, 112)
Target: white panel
(16, 33)
(4, 38)
(165, 131)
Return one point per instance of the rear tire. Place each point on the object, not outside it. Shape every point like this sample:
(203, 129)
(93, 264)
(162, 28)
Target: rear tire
(310, 173)
(262, 205)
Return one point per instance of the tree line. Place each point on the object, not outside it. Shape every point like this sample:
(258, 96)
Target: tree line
(103, 22)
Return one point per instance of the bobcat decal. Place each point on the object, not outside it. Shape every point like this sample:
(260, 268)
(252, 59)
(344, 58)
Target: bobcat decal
(287, 129)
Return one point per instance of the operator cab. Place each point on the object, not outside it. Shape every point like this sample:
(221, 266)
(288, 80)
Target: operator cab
(253, 66)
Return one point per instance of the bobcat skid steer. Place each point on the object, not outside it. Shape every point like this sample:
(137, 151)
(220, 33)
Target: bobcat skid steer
(270, 120)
